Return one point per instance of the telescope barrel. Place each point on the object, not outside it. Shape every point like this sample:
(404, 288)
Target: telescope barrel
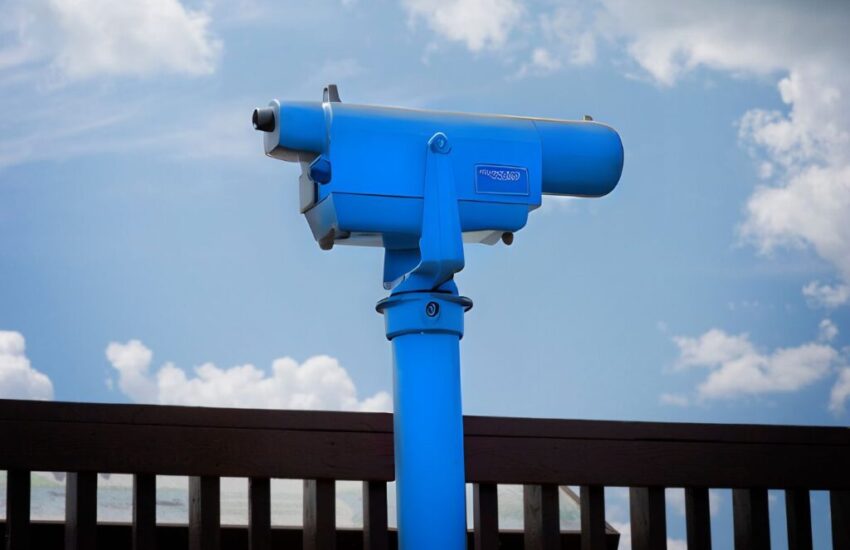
(579, 158)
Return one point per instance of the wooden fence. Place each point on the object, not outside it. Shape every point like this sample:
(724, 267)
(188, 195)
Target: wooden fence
(321, 447)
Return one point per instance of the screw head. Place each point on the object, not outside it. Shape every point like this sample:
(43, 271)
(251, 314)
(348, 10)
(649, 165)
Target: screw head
(432, 309)
(439, 143)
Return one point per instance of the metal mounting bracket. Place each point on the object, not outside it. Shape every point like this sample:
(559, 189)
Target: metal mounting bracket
(440, 251)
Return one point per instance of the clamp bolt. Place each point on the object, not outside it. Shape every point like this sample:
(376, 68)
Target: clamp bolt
(439, 143)
(432, 309)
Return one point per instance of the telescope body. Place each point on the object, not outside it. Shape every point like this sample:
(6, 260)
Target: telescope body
(363, 167)
(419, 183)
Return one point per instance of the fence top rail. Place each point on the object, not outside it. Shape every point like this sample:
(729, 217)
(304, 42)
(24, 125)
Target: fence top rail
(171, 440)
(491, 426)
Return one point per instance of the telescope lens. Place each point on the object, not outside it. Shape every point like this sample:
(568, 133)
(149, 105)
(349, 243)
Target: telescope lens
(263, 119)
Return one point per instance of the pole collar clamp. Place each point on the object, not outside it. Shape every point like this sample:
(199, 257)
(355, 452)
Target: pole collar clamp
(424, 313)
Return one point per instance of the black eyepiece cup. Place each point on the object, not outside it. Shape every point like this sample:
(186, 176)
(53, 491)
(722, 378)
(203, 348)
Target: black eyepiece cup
(263, 119)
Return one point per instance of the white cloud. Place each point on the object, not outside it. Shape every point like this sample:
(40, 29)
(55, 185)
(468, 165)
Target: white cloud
(543, 59)
(840, 391)
(562, 36)
(713, 347)
(479, 24)
(810, 208)
(18, 380)
(668, 38)
(827, 330)
(801, 151)
(829, 296)
(802, 154)
(736, 368)
(807, 202)
(674, 399)
(85, 38)
(542, 62)
(570, 32)
(132, 361)
(318, 383)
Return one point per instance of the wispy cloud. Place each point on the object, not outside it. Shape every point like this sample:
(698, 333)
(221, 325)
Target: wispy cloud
(79, 39)
(674, 399)
(827, 331)
(63, 69)
(801, 150)
(537, 45)
(828, 296)
(479, 24)
(66, 127)
(59, 129)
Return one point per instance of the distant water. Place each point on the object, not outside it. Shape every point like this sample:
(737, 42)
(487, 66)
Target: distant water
(114, 501)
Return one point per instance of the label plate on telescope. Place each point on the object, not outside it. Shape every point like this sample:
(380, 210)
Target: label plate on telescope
(501, 180)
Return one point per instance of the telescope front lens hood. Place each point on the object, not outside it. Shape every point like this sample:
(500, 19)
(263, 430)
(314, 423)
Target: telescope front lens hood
(263, 119)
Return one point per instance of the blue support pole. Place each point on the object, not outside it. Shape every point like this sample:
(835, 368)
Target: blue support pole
(425, 329)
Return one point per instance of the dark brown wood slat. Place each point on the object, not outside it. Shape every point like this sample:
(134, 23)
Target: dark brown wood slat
(144, 512)
(592, 517)
(319, 514)
(751, 519)
(477, 426)
(542, 519)
(238, 453)
(49, 536)
(663, 463)
(798, 514)
(648, 518)
(483, 426)
(839, 506)
(81, 511)
(17, 510)
(347, 455)
(62, 436)
(204, 513)
(375, 533)
(485, 515)
(698, 518)
(259, 513)
(197, 417)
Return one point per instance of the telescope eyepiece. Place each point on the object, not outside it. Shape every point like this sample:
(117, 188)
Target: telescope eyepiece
(263, 119)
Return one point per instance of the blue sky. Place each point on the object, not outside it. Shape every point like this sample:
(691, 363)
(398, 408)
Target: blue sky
(136, 205)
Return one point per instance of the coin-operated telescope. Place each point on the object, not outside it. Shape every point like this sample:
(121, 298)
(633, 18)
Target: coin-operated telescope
(419, 184)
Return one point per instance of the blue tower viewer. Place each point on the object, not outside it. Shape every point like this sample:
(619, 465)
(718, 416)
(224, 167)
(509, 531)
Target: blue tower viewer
(419, 184)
